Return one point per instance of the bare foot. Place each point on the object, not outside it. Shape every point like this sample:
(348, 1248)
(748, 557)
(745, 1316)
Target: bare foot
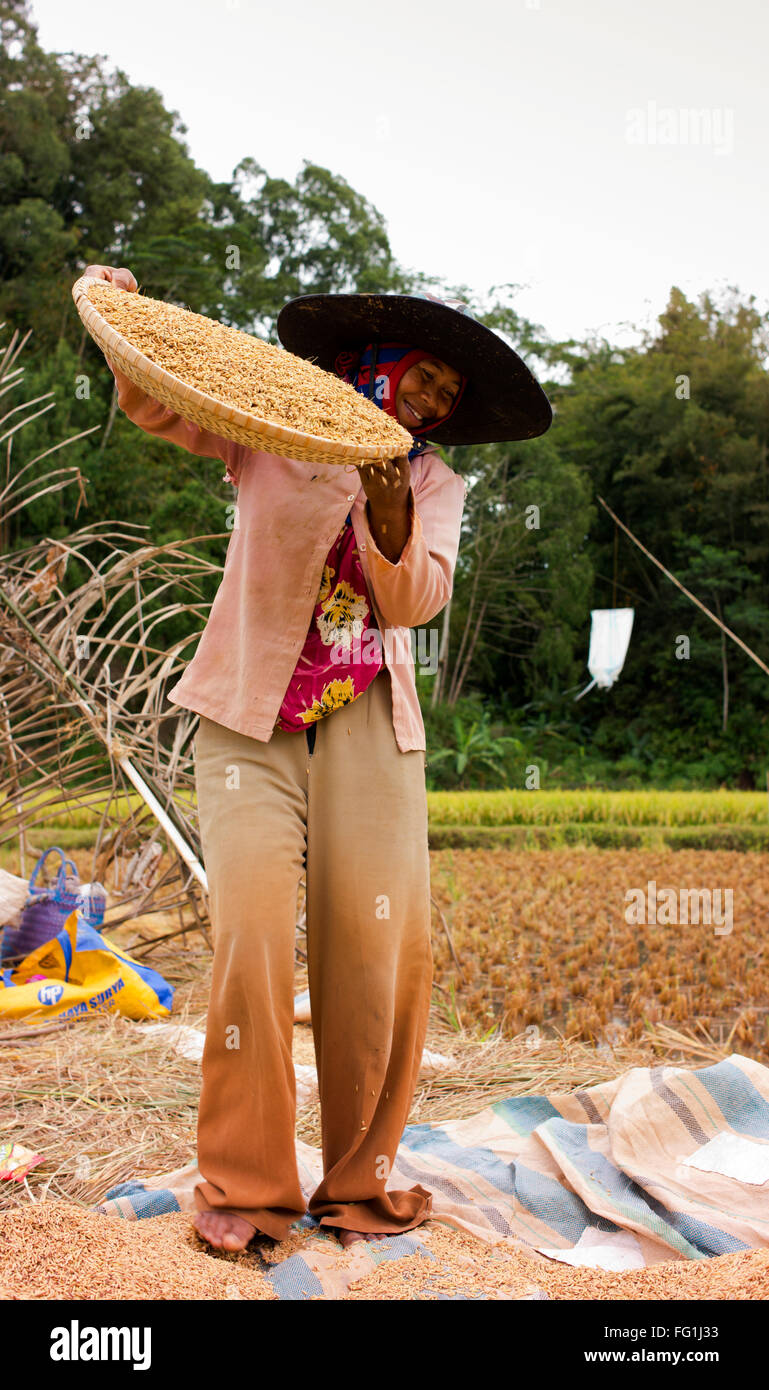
(224, 1229)
(347, 1237)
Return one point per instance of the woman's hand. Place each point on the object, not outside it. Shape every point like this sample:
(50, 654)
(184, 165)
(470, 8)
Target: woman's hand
(387, 485)
(120, 277)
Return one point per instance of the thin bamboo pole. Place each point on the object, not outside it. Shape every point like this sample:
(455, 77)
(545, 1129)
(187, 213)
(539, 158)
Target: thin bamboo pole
(689, 595)
(173, 834)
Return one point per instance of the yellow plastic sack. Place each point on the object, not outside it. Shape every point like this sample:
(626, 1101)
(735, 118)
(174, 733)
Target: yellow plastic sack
(80, 971)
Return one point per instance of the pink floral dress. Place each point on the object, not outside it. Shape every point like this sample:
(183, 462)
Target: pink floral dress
(341, 656)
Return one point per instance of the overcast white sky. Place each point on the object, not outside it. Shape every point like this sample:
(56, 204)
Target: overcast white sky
(543, 142)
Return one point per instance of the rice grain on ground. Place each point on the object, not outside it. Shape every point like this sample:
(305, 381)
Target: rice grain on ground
(57, 1250)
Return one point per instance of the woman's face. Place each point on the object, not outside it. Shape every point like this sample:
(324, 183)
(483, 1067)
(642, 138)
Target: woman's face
(426, 392)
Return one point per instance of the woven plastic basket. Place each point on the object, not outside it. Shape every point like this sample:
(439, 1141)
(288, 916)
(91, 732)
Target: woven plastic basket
(204, 410)
(46, 911)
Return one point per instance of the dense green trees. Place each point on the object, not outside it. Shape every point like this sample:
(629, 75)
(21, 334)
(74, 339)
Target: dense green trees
(672, 433)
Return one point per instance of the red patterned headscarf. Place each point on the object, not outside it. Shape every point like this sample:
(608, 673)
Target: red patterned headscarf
(393, 360)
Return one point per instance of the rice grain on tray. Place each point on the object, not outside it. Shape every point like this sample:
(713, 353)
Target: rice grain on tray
(240, 370)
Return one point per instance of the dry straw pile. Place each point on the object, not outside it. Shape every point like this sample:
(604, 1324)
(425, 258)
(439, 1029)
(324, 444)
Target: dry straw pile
(241, 371)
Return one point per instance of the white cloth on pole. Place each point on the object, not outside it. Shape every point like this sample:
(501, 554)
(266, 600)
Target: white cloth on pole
(609, 640)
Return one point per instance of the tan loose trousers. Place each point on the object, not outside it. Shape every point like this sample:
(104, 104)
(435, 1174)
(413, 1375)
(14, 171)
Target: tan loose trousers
(359, 806)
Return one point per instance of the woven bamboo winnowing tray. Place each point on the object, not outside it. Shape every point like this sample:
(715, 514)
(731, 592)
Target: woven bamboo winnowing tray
(206, 411)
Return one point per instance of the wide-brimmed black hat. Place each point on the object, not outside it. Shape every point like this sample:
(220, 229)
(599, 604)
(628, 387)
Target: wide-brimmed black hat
(502, 400)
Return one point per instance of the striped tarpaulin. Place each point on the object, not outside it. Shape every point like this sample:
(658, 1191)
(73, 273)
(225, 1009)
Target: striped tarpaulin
(660, 1163)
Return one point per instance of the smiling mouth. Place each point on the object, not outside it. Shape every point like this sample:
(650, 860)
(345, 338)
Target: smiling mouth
(415, 416)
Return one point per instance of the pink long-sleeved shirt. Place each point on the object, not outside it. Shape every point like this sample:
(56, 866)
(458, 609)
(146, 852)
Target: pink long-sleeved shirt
(286, 518)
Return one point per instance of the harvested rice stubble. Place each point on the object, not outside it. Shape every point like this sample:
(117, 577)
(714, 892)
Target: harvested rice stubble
(240, 370)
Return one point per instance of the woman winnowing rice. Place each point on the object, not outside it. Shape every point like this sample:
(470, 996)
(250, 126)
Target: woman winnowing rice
(310, 757)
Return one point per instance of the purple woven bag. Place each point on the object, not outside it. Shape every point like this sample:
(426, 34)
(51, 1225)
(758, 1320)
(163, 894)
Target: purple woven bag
(43, 918)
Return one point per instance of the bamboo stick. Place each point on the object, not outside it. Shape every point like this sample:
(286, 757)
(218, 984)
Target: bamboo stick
(689, 595)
